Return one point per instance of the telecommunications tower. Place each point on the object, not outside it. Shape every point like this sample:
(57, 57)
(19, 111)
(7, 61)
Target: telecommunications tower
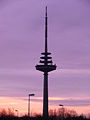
(46, 65)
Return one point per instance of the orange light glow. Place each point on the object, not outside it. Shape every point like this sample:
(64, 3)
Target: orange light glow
(21, 104)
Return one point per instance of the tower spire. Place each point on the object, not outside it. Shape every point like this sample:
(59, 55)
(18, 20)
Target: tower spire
(46, 49)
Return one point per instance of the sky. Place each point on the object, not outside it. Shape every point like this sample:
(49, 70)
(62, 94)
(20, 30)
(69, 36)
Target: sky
(21, 44)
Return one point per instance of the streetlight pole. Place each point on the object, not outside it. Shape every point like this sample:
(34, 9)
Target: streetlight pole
(62, 111)
(16, 112)
(29, 103)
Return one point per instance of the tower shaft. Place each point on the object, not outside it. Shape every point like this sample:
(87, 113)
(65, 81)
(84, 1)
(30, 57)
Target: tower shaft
(45, 95)
(45, 87)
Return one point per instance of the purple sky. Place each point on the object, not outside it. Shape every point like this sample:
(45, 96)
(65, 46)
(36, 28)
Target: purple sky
(22, 41)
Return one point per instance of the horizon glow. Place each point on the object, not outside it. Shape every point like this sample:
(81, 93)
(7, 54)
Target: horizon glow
(22, 41)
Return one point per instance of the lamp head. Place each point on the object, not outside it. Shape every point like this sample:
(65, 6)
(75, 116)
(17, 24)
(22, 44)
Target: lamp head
(60, 105)
(31, 94)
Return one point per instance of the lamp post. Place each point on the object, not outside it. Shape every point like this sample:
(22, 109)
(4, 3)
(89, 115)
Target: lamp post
(16, 112)
(62, 111)
(29, 103)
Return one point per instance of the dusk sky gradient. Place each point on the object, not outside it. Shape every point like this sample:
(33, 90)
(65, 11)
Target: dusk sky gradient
(22, 41)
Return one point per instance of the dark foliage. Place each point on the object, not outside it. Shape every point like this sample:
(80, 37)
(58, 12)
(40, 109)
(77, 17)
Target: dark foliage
(53, 115)
(7, 117)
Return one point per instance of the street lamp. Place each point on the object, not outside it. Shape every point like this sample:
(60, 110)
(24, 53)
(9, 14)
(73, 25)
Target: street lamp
(29, 103)
(16, 112)
(62, 110)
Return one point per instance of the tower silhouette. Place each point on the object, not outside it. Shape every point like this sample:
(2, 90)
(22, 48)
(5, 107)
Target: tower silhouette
(46, 65)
